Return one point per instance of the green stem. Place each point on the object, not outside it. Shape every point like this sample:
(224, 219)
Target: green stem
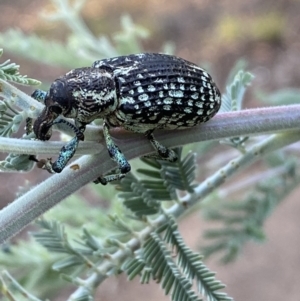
(24, 210)
(224, 125)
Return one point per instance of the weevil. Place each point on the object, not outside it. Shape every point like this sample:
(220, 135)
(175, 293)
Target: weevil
(139, 92)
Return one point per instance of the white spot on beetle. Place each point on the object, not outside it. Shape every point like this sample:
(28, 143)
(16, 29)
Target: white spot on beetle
(143, 97)
(167, 107)
(208, 112)
(193, 88)
(200, 112)
(195, 95)
(180, 80)
(205, 74)
(127, 99)
(187, 110)
(199, 104)
(140, 89)
(151, 88)
(175, 93)
(147, 103)
(168, 100)
(161, 94)
(152, 108)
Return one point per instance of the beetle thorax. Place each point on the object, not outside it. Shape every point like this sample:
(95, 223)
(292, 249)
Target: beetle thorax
(93, 92)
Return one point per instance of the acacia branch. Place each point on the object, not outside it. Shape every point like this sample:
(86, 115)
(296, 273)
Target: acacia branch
(38, 200)
(223, 125)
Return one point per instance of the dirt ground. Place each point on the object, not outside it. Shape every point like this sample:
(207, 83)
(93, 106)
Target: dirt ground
(265, 33)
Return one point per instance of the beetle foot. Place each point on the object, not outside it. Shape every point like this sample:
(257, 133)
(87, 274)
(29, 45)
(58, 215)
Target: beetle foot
(109, 178)
(45, 164)
(163, 153)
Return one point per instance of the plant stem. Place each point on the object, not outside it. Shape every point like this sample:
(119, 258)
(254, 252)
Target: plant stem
(24, 210)
(223, 125)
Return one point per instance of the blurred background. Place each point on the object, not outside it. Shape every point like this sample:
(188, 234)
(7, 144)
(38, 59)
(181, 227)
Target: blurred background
(214, 34)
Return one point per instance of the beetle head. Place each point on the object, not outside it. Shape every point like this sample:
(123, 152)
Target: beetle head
(57, 103)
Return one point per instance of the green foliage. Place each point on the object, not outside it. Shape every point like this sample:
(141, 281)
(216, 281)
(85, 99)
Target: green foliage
(81, 47)
(163, 179)
(10, 119)
(41, 49)
(10, 72)
(285, 96)
(8, 281)
(32, 264)
(176, 274)
(156, 260)
(55, 239)
(238, 81)
(241, 221)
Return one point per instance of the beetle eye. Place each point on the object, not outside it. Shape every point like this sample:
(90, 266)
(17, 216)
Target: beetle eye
(56, 109)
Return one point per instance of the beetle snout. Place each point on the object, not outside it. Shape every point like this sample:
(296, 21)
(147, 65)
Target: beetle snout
(42, 129)
(42, 126)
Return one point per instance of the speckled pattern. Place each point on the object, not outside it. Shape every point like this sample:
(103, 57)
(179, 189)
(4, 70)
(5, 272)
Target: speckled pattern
(160, 91)
(139, 92)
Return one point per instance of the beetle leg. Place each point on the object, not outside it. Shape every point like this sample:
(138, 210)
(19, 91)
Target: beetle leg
(65, 154)
(28, 126)
(68, 150)
(117, 156)
(38, 95)
(163, 153)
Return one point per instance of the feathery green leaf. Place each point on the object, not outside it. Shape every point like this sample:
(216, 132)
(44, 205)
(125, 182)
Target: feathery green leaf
(10, 72)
